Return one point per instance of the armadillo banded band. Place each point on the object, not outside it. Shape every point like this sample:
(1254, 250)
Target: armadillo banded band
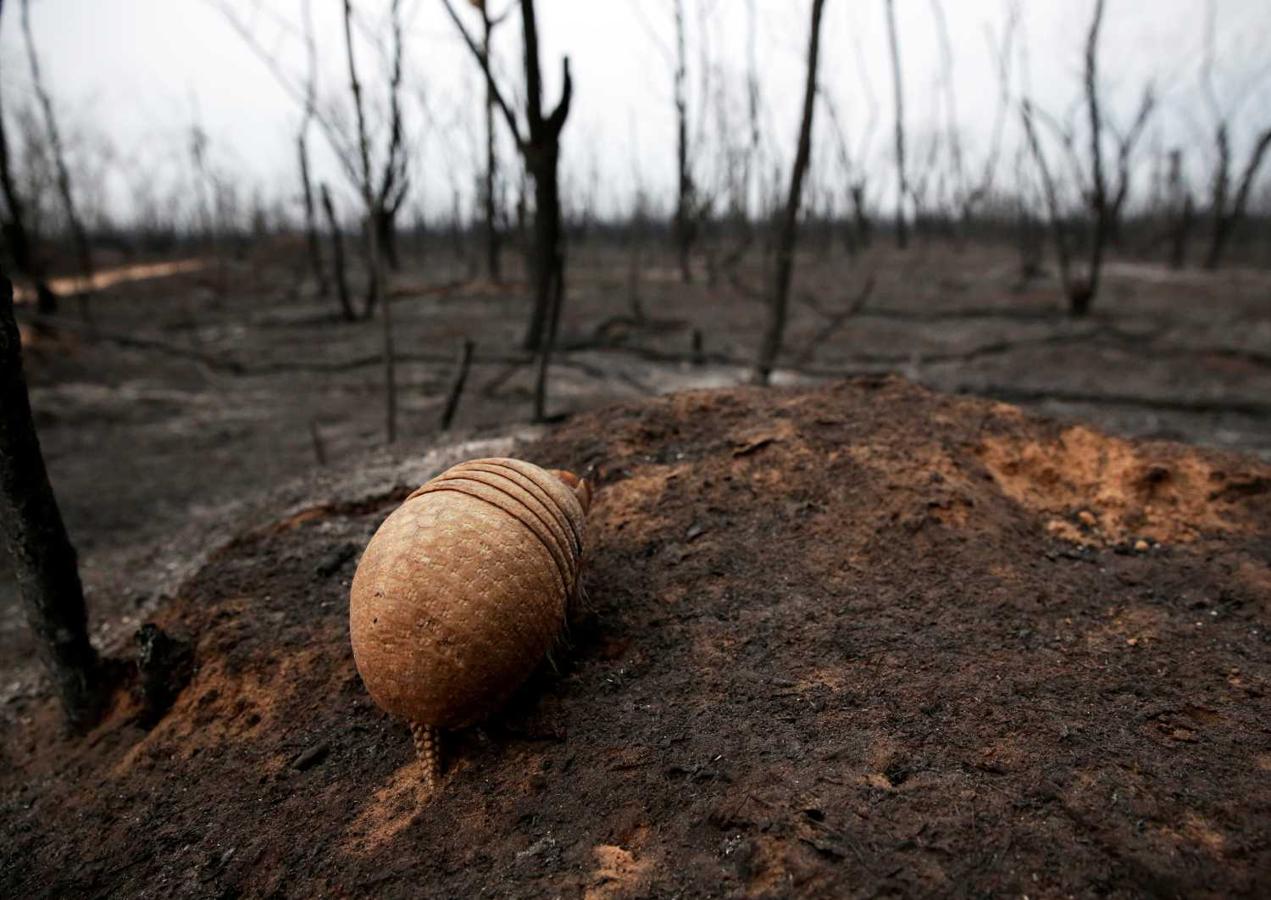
(563, 570)
(506, 488)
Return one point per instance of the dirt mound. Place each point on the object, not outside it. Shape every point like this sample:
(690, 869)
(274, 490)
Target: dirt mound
(1100, 490)
(837, 645)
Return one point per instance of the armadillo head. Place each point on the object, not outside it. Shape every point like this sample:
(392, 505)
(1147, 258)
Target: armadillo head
(580, 486)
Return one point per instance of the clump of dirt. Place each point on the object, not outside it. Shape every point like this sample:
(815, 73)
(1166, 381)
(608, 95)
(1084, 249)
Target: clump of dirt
(1096, 489)
(834, 647)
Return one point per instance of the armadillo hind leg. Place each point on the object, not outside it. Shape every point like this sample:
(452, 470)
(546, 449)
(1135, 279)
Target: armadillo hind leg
(428, 749)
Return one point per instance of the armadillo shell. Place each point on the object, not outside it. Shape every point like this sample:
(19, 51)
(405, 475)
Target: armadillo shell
(463, 590)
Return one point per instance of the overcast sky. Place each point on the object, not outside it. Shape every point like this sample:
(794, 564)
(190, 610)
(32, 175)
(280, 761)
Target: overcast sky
(134, 75)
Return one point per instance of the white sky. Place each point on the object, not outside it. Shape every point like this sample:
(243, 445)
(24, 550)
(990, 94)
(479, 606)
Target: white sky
(130, 75)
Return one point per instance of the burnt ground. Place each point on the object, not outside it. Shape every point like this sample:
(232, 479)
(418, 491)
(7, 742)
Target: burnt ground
(199, 394)
(859, 639)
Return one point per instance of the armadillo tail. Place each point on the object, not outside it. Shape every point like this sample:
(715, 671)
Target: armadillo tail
(428, 749)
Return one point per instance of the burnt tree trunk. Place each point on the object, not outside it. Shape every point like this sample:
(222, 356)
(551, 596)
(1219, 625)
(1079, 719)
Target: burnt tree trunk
(63, 178)
(557, 288)
(1063, 252)
(902, 179)
(493, 238)
(1218, 193)
(337, 259)
(1083, 293)
(385, 224)
(302, 149)
(311, 219)
(546, 254)
(542, 158)
(789, 231)
(15, 233)
(684, 228)
(1181, 212)
(1179, 233)
(378, 215)
(539, 145)
(44, 560)
(16, 236)
(1226, 219)
(860, 215)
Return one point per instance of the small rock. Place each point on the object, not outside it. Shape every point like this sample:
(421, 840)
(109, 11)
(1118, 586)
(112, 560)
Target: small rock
(310, 757)
(538, 848)
(1141, 546)
(1087, 518)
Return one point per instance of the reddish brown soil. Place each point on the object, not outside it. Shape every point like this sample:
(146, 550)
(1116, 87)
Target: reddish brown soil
(856, 640)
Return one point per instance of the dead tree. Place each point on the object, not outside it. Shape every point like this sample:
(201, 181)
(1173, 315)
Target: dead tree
(851, 236)
(302, 149)
(1080, 290)
(789, 230)
(1225, 212)
(539, 145)
(16, 234)
(902, 180)
(1001, 52)
(1126, 142)
(456, 385)
(382, 194)
(337, 258)
(493, 236)
(1063, 251)
(952, 136)
(384, 191)
(1081, 294)
(1225, 216)
(684, 226)
(751, 158)
(76, 226)
(859, 186)
(377, 217)
(1181, 210)
(43, 558)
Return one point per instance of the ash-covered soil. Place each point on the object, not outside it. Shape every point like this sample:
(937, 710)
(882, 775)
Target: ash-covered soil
(194, 396)
(859, 639)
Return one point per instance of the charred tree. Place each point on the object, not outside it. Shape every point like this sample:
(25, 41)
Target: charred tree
(788, 234)
(902, 179)
(14, 230)
(43, 558)
(1126, 142)
(539, 145)
(1082, 293)
(953, 138)
(311, 219)
(1001, 52)
(1181, 211)
(79, 235)
(1080, 290)
(16, 236)
(489, 188)
(337, 258)
(684, 226)
(383, 191)
(384, 194)
(1226, 216)
(1063, 252)
(302, 151)
(376, 216)
(1225, 212)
